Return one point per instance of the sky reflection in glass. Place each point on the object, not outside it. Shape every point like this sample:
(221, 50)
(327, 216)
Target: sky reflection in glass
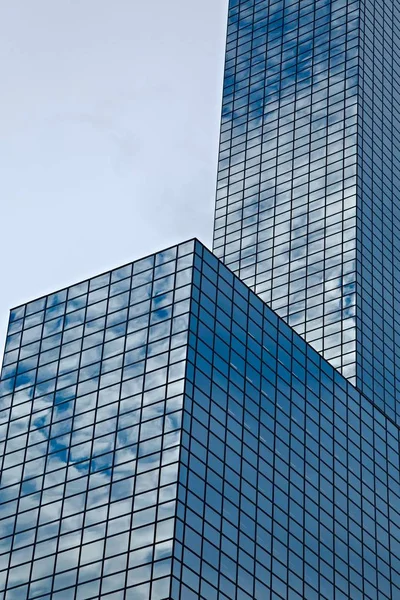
(177, 439)
(302, 107)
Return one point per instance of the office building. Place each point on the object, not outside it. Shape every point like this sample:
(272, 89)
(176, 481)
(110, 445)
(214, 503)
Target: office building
(307, 210)
(168, 436)
(224, 426)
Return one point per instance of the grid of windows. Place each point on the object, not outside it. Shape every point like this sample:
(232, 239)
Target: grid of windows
(308, 181)
(378, 234)
(165, 435)
(91, 401)
(289, 486)
(286, 201)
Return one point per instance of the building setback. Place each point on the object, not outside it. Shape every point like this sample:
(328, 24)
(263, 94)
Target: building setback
(226, 426)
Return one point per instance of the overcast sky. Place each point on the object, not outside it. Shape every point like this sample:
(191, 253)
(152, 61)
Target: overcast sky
(109, 129)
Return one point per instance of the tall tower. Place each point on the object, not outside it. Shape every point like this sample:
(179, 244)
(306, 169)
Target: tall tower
(307, 209)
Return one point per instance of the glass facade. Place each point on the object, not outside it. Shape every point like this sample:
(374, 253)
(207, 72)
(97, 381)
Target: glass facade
(378, 206)
(226, 426)
(90, 426)
(289, 478)
(308, 176)
(165, 435)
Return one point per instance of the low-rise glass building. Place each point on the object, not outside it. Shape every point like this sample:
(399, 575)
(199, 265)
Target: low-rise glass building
(165, 435)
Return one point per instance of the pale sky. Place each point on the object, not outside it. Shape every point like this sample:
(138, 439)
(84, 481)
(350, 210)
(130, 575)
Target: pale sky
(109, 130)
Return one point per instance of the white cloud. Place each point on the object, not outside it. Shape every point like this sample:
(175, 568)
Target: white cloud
(108, 135)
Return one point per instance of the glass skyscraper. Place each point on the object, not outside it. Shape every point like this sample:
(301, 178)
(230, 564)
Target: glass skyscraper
(167, 436)
(307, 210)
(223, 426)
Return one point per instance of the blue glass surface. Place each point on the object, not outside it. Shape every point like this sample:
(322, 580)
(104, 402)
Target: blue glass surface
(289, 483)
(178, 440)
(307, 210)
(91, 401)
(169, 431)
